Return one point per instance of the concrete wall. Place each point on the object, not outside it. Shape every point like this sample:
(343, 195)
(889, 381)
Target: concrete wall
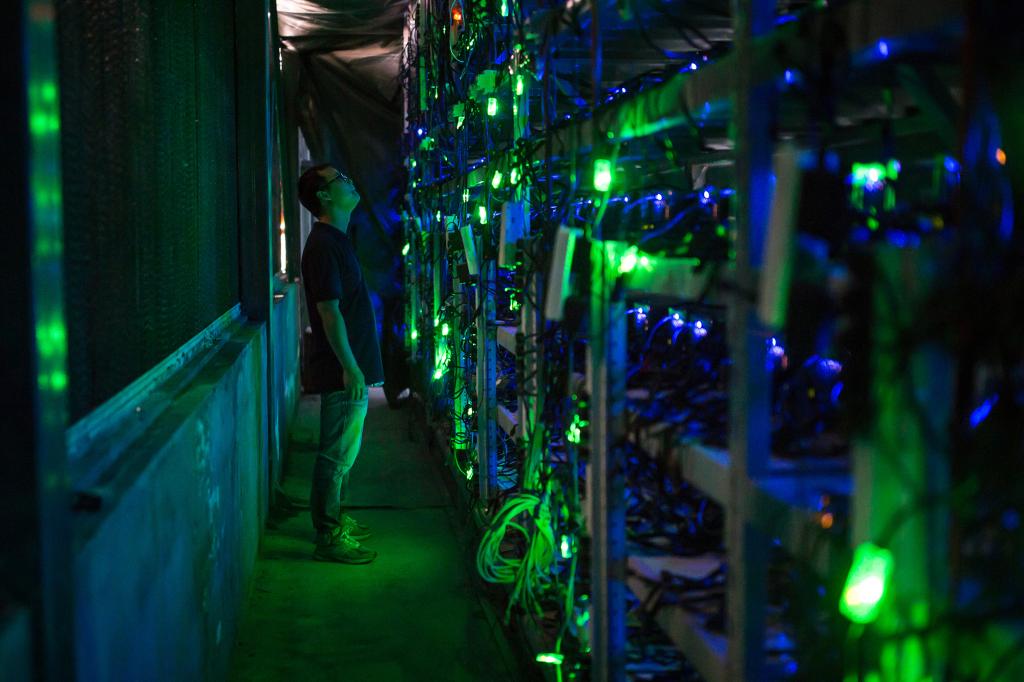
(162, 567)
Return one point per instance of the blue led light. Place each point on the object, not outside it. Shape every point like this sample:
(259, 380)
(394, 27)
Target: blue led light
(658, 197)
(981, 412)
(836, 391)
(789, 76)
(419, 131)
(883, 48)
(693, 66)
(951, 164)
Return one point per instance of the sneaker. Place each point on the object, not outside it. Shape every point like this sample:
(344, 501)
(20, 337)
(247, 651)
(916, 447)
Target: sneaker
(343, 549)
(353, 528)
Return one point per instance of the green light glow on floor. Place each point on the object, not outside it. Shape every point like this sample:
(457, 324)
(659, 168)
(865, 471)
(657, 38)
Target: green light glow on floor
(866, 583)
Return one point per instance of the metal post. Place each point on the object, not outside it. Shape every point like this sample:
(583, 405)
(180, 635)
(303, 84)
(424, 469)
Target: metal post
(749, 407)
(607, 367)
(461, 386)
(254, 130)
(904, 462)
(528, 316)
(255, 205)
(486, 373)
(35, 523)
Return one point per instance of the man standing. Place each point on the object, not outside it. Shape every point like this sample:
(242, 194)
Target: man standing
(345, 358)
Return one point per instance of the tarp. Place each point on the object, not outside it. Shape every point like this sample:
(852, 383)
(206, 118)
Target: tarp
(342, 87)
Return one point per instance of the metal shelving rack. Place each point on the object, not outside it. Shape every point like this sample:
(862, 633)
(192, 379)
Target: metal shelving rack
(765, 500)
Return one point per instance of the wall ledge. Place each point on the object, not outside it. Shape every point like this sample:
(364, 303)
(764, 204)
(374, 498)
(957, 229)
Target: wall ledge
(114, 453)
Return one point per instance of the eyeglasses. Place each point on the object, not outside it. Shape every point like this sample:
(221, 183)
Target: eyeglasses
(340, 176)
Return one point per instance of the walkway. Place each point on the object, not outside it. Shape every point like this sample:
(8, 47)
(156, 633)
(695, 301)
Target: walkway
(411, 615)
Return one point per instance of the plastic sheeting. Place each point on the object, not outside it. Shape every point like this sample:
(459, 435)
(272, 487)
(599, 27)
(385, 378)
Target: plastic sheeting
(342, 87)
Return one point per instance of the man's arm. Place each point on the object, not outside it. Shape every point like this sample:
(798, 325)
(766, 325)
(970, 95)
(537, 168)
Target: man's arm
(337, 336)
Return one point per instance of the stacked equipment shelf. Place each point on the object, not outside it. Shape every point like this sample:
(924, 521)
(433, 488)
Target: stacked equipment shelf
(575, 167)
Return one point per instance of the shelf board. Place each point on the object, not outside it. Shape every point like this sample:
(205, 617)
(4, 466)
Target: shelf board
(785, 504)
(704, 466)
(507, 338)
(507, 420)
(677, 277)
(704, 649)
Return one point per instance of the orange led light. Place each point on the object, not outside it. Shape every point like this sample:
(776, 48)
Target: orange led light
(827, 520)
(457, 14)
(1001, 157)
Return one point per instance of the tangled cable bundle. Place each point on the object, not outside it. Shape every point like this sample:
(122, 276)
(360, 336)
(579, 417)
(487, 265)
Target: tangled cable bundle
(533, 568)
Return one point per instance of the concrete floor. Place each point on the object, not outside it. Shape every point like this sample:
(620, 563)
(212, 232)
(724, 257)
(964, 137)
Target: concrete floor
(413, 614)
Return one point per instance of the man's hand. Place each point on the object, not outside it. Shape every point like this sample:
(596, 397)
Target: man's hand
(337, 336)
(355, 384)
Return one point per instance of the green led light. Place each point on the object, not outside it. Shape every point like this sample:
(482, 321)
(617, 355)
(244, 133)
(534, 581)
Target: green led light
(437, 216)
(602, 175)
(552, 658)
(874, 173)
(438, 373)
(469, 412)
(482, 213)
(866, 583)
(574, 434)
(520, 85)
(496, 179)
(628, 261)
(513, 176)
(566, 547)
(445, 329)
(504, 8)
(415, 335)
(492, 106)
(405, 249)
(469, 473)
(465, 196)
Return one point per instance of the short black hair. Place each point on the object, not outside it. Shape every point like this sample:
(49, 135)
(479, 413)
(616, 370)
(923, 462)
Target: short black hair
(310, 183)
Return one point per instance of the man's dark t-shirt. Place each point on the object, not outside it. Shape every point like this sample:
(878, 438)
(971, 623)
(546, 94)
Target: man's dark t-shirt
(330, 271)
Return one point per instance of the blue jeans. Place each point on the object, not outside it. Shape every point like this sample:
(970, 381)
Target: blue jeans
(341, 434)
